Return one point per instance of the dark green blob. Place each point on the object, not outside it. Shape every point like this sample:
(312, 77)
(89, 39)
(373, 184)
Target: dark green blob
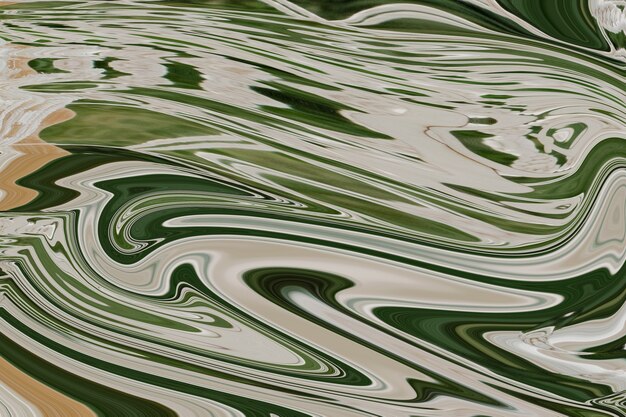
(55, 26)
(44, 66)
(617, 39)
(185, 277)
(108, 72)
(406, 92)
(286, 76)
(474, 141)
(60, 87)
(312, 109)
(103, 400)
(183, 75)
(423, 26)
(250, 5)
(270, 283)
(482, 120)
(608, 351)
(567, 20)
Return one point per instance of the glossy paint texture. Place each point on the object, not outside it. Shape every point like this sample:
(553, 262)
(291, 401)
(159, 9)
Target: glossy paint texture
(312, 208)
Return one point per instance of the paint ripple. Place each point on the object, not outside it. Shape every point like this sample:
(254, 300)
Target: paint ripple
(312, 208)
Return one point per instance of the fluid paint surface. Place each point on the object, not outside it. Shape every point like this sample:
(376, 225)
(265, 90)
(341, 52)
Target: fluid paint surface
(312, 208)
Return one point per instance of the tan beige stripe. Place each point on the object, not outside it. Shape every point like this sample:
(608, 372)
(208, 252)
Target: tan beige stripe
(34, 153)
(48, 401)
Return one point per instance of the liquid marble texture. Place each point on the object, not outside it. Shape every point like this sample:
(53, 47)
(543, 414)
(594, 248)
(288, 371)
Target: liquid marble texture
(314, 208)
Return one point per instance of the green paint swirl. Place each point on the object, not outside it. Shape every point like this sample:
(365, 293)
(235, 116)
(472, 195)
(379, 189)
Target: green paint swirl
(313, 208)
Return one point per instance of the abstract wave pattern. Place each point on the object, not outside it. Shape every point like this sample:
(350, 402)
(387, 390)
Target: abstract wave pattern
(313, 208)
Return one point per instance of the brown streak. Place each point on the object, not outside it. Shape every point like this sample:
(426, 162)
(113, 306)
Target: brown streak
(50, 402)
(35, 153)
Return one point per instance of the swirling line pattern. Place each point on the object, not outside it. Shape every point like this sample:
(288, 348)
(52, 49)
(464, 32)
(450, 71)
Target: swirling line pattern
(313, 208)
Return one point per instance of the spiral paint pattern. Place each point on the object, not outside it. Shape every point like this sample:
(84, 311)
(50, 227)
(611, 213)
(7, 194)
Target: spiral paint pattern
(312, 208)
